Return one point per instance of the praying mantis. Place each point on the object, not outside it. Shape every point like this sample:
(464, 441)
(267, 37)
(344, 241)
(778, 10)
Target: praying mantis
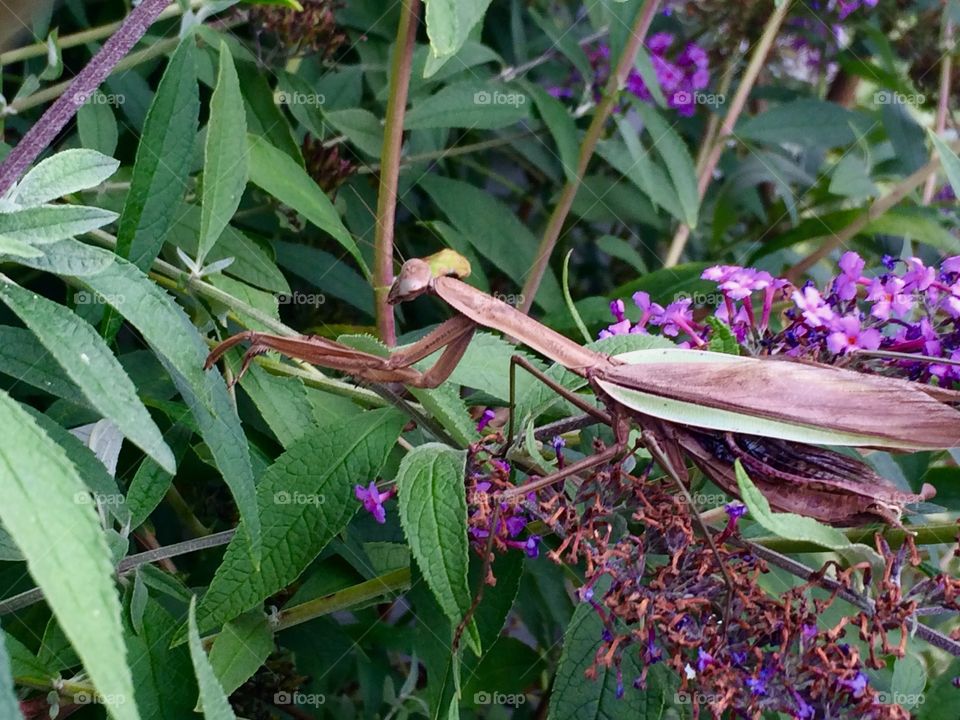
(712, 408)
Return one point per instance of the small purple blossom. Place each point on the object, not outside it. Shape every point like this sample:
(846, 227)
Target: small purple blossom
(849, 335)
(373, 500)
(857, 685)
(485, 419)
(814, 308)
(851, 266)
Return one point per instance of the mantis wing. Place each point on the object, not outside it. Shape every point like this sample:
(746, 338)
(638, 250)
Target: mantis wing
(794, 401)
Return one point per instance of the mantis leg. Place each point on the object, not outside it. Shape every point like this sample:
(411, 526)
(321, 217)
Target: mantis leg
(563, 392)
(587, 463)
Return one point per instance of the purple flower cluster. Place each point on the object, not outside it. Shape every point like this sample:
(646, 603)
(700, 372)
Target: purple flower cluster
(846, 7)
(681, 73)
(910, 308)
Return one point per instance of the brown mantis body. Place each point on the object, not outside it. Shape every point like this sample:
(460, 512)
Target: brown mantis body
(782, 399)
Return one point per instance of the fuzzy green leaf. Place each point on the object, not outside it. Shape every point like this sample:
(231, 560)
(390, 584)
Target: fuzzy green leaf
(66, 172)
(212, 697)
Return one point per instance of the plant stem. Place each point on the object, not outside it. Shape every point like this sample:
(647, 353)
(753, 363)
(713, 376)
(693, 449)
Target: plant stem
(712, 158)
(943, 102)
(924, 535)
(400, 70)
(44, 131)
(40, 49)
(604, 109)
(878, 208)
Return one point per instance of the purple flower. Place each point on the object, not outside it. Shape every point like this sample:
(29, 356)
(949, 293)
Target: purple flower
(485, 419)
(677, 317)
(735, 510)
(845, 7)
(719, 273)
(558, 443)
(918, 277)
(515, 525)
(848, 335)
(744, 281)
(757, 686)
(617, 309)
(373, 500)
(889, 298)
(857, 685)
(951, 264)
(816, 313)
(845, 284)
(704, 659)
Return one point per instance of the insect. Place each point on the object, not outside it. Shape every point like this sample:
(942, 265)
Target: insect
(712, 407)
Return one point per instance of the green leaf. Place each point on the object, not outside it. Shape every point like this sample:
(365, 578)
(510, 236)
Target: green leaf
(282, 401)
(920, 225)
(241, 647)
(722, 339)
(671, 148)
(40, 489)
(474, 104)
(212, 697)
(449, 23)
(305, 498)
(180, 348)
(562, 127)
(816, 123)
(164, 156)
(276, 173)
(66, 172)
(50, 223)
(950, 162)
(225, 155)
(163, 676)
(9, 706)
(433, 512)
(88, 362)
(576, 698)
(361, 127)
(15, 248)
(97, 125)
(789, 525)
(495, 232)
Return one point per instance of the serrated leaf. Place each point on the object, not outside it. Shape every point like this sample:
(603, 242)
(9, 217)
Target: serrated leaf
(361, 127)
(49, 223)
(562, 127)
(40, 489)
(474, 104)
(97, 125)
(241, 647)
(282, 402)
(66, 172)
(576, 698)
(433, 512)
(212, 697)
(225, 164)
(182, 352)
(89, 363)
(9, 706)
(326, 462)
(15, 248)
(445, 405)
(807, 122)
(671, 148)
(164, 156)
(276, 173)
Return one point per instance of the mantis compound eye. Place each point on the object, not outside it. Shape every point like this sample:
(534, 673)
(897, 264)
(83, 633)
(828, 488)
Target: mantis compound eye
(413, 281)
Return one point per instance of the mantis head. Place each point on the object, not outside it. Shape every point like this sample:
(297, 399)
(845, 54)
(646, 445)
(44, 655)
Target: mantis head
(417, 275)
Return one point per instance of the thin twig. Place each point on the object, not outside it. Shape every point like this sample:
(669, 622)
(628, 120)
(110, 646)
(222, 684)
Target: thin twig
(943, 102)
(390, 167)
(712, 158)
(45, 130)
(604, 109)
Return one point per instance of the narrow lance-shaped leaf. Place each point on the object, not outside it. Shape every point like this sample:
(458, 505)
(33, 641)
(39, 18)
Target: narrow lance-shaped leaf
(225, 155)
(163, 159)
(212, 698)
(65, 550)
(66, 172)
(170, 333)
(50, 223)
(9, 707)
(89, 363)
(275, 172)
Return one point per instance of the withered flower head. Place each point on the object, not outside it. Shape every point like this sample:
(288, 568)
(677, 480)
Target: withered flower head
(311, 30)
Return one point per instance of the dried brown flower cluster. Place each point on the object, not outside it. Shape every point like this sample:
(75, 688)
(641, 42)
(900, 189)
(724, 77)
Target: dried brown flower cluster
(312, 30)
(325, 164)
(659, 592)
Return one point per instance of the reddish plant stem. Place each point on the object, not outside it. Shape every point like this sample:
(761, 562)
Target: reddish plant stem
(600, 116)
(390, 167)
(83, 85)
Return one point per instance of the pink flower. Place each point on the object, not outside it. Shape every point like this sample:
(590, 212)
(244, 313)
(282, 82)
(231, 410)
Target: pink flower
(851, 266)
(951, 264)
(889, 298)
(848, 335)
(918, 277)
(373, 500)
(815, 311)
(744, 281)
